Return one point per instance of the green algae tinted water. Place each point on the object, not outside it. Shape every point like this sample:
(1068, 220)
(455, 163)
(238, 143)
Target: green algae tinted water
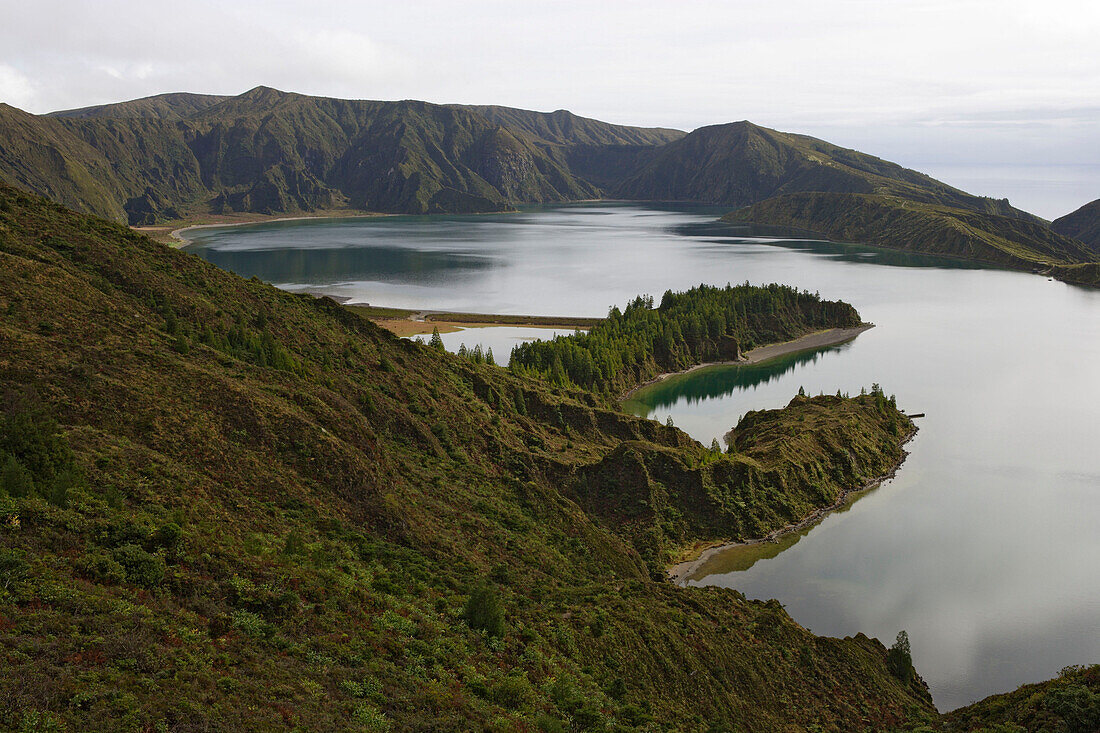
(985, 547)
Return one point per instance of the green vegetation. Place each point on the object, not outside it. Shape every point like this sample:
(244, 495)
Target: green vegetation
(739, 164)
(35, 460)
(1068, 704)
(930, 229)
(254, 548)
(703, 324)
(1082, 224)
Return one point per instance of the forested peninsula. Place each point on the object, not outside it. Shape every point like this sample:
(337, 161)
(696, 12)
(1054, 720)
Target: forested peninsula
(704, 324)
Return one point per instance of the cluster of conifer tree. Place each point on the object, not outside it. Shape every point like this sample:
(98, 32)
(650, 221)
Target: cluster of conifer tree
(706, 323)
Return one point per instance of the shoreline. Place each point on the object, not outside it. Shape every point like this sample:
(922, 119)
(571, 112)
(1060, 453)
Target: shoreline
(411, 322)
(180, 242)
(410, 327)
(813, 340)
(171, 236)
(679, 573)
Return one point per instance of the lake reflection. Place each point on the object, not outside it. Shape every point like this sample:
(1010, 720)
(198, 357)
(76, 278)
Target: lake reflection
(984, 548)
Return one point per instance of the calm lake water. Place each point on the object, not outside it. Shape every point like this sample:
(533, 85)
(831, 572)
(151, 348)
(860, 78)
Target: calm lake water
(985, 548)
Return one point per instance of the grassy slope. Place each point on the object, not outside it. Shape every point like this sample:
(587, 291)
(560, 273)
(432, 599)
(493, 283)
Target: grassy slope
(918, 227)
(1082, 224)
(1068, 704)
(40, 154)
(335, 514)
(740, 163)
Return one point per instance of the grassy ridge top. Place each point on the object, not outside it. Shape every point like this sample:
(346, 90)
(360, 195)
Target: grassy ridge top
(562, 127)
(171, 106)
(914, 226)
(280, 515)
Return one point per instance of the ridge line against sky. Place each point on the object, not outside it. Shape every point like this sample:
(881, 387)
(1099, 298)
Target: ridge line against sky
(996, 97)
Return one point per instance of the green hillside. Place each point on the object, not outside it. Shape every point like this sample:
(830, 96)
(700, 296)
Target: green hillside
(740, 163)
(40, 154)
(268, 151)
(223, 506)
(931, 229)
(1082, 224)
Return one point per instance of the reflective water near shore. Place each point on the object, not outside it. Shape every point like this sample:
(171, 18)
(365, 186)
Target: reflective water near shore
(984, 548)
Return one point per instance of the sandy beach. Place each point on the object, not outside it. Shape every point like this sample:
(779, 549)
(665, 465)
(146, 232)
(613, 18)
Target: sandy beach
(172, 236)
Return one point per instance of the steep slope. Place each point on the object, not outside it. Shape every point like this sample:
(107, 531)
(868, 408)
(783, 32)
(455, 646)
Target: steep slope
(931, 229)
(226, 507)
(40, 154)
(740, 163)
(1082, 224)
(171, 106)
(598, 152)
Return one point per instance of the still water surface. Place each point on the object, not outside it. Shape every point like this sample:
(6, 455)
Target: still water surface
(985, 548)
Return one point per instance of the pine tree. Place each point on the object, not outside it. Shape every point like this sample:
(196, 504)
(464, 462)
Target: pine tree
(899, 659)
(436, 341)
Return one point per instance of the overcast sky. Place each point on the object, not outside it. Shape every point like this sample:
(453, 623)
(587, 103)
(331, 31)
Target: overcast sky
(1000, 97)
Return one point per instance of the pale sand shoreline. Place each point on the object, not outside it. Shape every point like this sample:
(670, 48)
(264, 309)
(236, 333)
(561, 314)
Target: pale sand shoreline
(182, 242)
(173, 239)
(407, 327)
(681, 571)
(815, 340)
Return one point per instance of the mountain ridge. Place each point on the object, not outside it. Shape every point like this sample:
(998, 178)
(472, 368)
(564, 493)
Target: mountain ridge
(268, 151)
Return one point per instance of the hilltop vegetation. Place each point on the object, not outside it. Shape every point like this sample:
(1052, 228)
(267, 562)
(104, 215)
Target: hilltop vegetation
(931, 229)
(703, 324)
(277, 515)
(1069, 703)
(740, 163)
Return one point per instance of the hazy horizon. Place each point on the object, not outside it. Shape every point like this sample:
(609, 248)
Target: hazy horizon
(997, 98)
